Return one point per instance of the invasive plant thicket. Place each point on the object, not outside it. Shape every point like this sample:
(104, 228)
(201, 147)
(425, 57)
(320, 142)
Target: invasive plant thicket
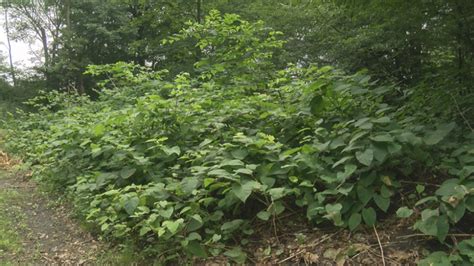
(185, 165)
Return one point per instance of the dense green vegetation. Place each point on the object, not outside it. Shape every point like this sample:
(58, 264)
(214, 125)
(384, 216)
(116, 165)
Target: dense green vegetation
(9, 240)
(249, 123)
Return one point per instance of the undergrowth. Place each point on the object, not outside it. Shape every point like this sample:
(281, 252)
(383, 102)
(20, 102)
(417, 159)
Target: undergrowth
(9, 239)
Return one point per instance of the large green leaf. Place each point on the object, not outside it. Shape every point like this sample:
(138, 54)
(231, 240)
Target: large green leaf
(243, 191)
(239, 154)
(470, 203)
(173, 150)
(442, 224)
(189, 184)
(131, 204)
(232, 225)
(382, 202)
(439, 258)
(334, 213)
(276, 193)
(221, 173)
(434, 137)
(234, 162)
(466, 248)
(457, 212)
(429, 222)
(382, 138)
(237, 255)
(127, 172)
(103, 178)
(404, 212)
(263, 215)
(195, 223)
(317, 105)
(365, 157)
(369, 215)
(354, 221)
(364, 194)
(173, 225)
(99, 130)
(349, 169)
(196, 249)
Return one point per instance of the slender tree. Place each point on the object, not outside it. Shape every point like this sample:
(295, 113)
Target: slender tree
(198, 11)
(7, 30)
(40, 20)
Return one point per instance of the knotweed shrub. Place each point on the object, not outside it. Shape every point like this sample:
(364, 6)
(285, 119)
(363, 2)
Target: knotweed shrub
(184, 166)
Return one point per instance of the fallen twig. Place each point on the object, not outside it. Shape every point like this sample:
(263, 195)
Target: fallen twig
(419, 183)
(323, 239)
(290, 257)
(380, 245)
(378, 255)
(423, 235)
(310, 245)
(275, 229)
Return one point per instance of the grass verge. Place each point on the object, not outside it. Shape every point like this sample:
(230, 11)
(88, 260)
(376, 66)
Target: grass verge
(10, 242)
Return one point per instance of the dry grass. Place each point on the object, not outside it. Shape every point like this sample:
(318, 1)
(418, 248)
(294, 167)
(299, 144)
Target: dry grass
(7, 162)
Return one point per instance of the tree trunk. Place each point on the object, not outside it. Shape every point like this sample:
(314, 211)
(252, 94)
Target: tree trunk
(7, 29)
(68, 12)
(198, 20)
(44, 40)
(81, 89)
(198, 11)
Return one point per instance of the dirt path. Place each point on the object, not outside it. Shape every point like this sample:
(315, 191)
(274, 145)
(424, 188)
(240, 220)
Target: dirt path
(34, 232)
